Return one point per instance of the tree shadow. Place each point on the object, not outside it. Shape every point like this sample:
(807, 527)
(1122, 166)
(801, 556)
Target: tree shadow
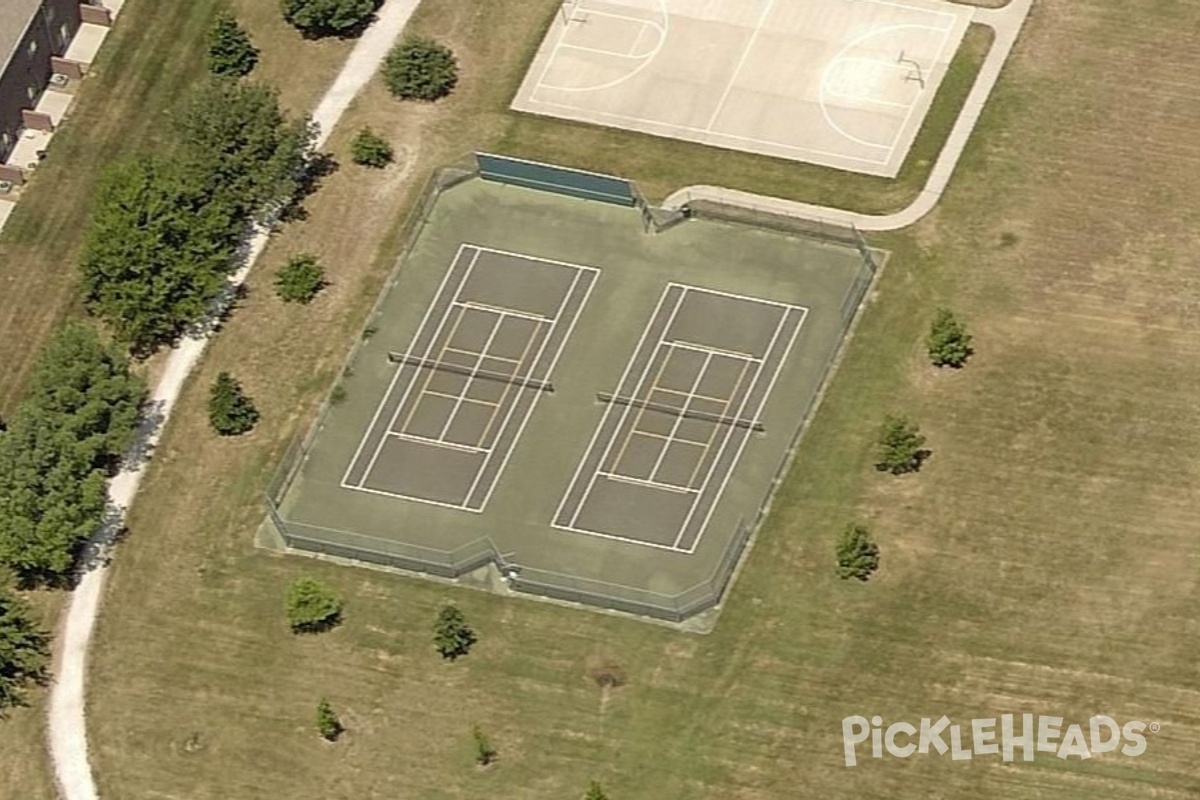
(319, 167)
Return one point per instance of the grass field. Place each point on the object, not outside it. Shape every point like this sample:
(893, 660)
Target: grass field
(1044, 560)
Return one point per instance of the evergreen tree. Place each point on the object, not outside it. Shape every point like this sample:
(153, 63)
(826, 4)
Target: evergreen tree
(370, 150)
(316, 18)
(79, 416)
(230, 411)
(485, 753)
(24, 652)
(300, 280)
(901, 446)
(594, 792)
(312, 606)
(328, 724)
(418, 68)
(230, 52)
(451, 634)
(948, 342)
(857, 555)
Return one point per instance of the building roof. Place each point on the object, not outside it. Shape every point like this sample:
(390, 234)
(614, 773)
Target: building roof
(15, 17)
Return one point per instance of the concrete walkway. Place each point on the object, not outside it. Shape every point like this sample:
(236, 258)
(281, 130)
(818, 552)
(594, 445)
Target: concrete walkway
(1007, 23)
(67, 723)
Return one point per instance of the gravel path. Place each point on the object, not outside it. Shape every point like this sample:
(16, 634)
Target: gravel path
(67, 723)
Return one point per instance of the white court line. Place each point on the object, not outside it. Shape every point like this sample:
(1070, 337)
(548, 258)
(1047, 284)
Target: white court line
(412, 437)
(474, 373)
(625, 411)
(823, 85)
(580, 269)
(679, 419)
(597, 51)
(614, 537)
(400, 367)
(729, 433)
(508, 312)
(648, 58)
(456, 396)
(621, 382)
(703, 348)
(689, 287)
(668, 130)
(741, 448)
(412, 497)
(633, 429)
(653, 484)
(636, 41)
(741, 62)
(510, 387)
(937, 59)
(428, 349)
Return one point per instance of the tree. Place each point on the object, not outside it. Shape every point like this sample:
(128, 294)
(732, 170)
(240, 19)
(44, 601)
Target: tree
(157, 251)
(230, 52)
(312, 607)
(901, 446)
(451, 634)
(370, 150)
(328, 724)
(230, 411)
(24, 651)
(857, 555)
(66, 437)
(418, 68)
(235, 141)
(485, 753)
(594, 792)
(316, 18)
(300, 279)
(948, 342)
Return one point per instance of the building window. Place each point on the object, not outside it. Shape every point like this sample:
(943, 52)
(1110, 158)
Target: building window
(32, 48)
(32, 92)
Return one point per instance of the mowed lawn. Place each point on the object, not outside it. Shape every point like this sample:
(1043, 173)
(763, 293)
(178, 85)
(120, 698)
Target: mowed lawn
(1044, 561)
(143, 70)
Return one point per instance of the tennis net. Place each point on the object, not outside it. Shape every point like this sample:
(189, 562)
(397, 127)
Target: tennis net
(737, 422)
(470, 372)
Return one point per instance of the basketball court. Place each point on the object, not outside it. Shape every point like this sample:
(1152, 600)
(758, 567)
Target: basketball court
(841, 83)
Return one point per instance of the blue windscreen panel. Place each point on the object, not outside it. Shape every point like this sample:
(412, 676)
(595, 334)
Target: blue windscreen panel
(563, 180)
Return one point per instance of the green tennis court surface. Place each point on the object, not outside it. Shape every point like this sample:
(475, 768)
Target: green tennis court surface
(597, 411)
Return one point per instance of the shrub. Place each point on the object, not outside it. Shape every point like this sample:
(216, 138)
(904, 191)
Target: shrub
(300, 280)
(418, 68)
(485, 753)
(948, 342)
(594, 792)
(370, 150)
(901, 446)
(230, 52)
(328, 17)
(328, 724)
(312, 607)
(857, 555)
(230, 411)
(24, 651)
(451, 634)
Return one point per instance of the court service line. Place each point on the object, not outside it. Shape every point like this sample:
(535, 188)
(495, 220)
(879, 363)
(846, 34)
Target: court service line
(740, 63)
(412, 437)
(416, 377)
(429, 374)
(593, 272)
(479, 357)
(510, 387)
(729, 433)
(400, 367)
(703, 348)
(625, 411)
(787, 351)
(662, 453)
(666, 487)
(662, 299)
(662, 367)
(508, 312)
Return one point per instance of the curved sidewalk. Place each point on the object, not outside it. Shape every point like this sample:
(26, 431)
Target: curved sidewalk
(67, 720)
(1006, 22)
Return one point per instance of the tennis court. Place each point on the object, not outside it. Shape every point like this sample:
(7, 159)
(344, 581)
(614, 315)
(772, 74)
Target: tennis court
(683, 412)
(469, 381)
(597, 411)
